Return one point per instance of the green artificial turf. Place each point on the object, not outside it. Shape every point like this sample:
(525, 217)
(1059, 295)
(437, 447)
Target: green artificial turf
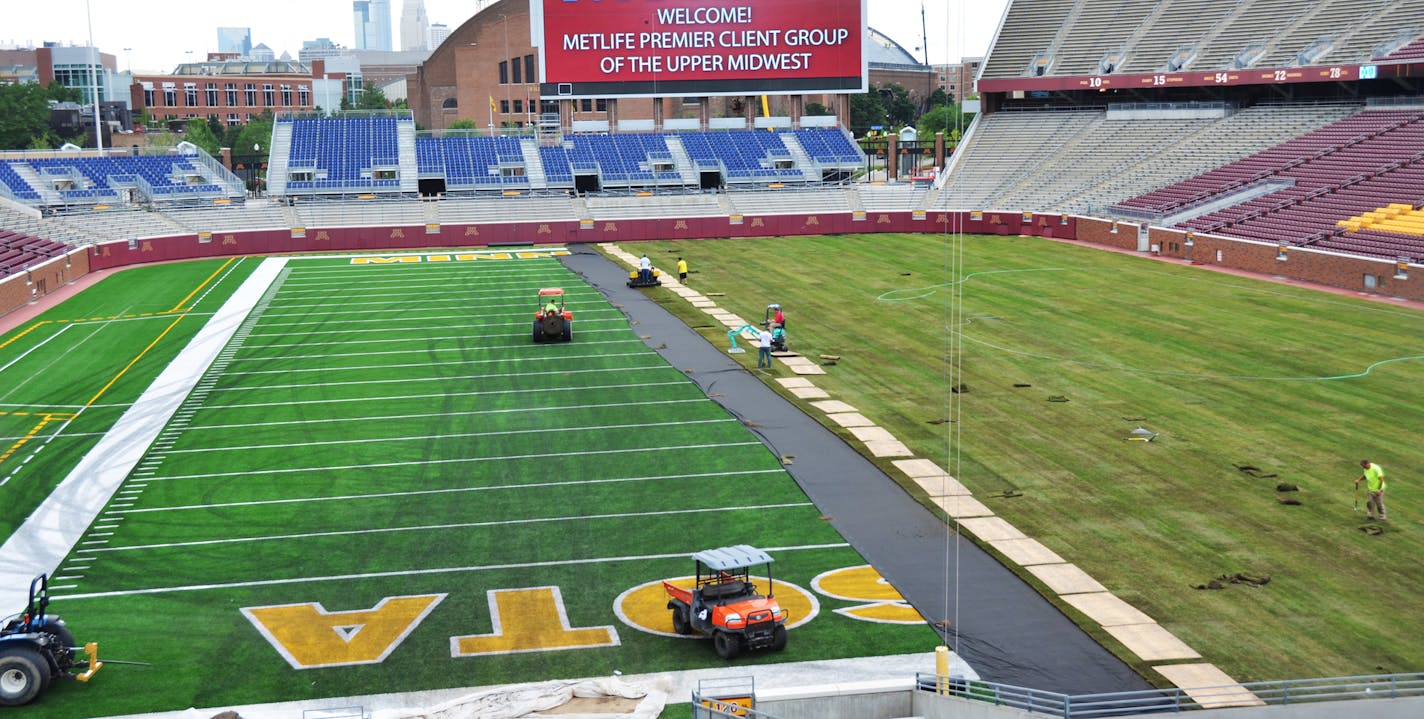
(391, 431)
(1226, 370)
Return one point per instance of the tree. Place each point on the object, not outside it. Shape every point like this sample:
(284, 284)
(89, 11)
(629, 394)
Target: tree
(463, 123)
(866, 110)
(373, 98)
(256, 133)
(198, 133)
(816, 108)
(939, 97)
(942, 118)
(901, 110)
(25, 115)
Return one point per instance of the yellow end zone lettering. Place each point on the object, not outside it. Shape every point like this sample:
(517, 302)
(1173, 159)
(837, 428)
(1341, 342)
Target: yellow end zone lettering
(308, 636)
(530, 620)
(407, 259)
(461, 257)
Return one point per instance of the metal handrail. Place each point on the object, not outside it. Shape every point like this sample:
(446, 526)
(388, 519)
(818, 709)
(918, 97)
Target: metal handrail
(1282, 692)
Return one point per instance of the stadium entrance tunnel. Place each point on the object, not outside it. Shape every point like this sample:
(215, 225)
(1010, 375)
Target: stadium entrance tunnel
(431, 187)
(710, 180)
(587, 183)
(836, 176)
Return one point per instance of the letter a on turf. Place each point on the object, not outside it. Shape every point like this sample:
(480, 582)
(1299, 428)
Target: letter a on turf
(308, 636)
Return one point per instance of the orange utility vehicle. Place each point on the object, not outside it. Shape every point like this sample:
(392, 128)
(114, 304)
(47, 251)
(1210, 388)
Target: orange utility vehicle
(723, 603)
(553, 323)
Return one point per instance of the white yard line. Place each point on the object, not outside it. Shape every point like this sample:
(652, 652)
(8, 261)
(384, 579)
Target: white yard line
(455, 363)
(391, 341)
(457, 460)
(431, 415)
(455, 435)
(661, 366)
(451, 490)
(386, 328)
(436, 395)
(420, 572)
(41, 543)
(436, 527)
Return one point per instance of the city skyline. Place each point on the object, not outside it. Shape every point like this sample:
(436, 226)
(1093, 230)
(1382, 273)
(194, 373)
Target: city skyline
(159, 43)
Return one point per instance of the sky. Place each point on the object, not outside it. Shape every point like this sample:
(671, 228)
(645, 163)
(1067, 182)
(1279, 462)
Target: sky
(160, 40)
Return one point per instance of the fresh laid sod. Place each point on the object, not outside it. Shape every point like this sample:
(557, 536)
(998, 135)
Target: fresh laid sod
(1061, 351)
(387, 486)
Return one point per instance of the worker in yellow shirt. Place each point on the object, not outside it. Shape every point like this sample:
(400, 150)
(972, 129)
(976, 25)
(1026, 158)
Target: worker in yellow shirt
(682, 270)
(1375, 485)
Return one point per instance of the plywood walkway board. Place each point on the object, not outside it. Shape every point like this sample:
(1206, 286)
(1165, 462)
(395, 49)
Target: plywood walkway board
(888, 448)
(943, 486)
(872, 434)
(1106, 609)
(850, 419)
(1027, 551)
(1151, 642)
(1065, 578)
(1208, 686)
(963, 506)
(990, 529)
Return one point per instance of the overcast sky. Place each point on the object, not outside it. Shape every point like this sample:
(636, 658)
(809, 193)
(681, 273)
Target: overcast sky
(161, 36)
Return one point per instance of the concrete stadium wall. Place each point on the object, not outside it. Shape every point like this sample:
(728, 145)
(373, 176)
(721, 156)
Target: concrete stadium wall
(933, 706)
(21, 289)
(1314, 266)
(366, 239)
(1317, 266)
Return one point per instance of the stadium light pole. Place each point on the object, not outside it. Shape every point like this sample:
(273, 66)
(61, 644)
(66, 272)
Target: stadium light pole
(504, 23)
(93, 68)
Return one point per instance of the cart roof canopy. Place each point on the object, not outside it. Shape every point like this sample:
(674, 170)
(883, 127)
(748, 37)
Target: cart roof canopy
(551, 291)
(735, 557)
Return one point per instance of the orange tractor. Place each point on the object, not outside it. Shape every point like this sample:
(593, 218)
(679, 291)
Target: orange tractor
(553, 323)
(723, 603)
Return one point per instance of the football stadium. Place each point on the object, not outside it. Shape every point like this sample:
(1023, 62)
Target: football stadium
(1093, 406)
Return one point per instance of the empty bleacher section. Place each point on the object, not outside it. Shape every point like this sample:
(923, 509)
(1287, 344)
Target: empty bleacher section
(1318, 182)
(614, 207)
(343, 155)
(789, 202)
(19, 251)
(360, 155)
(892, 198)
(1093, 37)
(1079, 161)
(79, 178)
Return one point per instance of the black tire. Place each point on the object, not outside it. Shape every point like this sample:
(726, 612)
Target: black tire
(568, 331)
(728, 646)
(680, 624)
(60, 631)
(24, 675)
(538, 331)
(778, 639)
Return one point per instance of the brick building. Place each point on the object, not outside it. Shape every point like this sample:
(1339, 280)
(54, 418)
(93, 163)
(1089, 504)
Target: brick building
(233, 92)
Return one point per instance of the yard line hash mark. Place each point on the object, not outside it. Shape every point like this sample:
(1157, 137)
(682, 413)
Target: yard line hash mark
(457, 525)
(423, 572)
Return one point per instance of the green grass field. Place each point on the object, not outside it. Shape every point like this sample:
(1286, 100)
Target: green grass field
(1228, 370)
(385, 486)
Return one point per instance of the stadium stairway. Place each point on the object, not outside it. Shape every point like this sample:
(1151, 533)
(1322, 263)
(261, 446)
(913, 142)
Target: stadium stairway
(48, 195)
(409, 173)
(533, 164)
(279, 152)
(681, 160)
(800, 156)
